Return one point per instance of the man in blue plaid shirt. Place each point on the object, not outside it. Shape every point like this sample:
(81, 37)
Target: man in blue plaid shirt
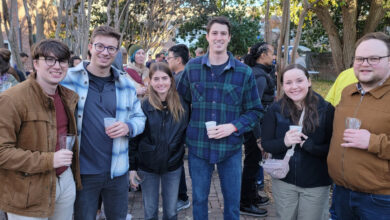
(222, 89)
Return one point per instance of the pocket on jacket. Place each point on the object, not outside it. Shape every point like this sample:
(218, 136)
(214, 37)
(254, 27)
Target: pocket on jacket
(34, 131)
(22, 193)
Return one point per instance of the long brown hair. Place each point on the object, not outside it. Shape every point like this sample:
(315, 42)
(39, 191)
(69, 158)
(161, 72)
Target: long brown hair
(288, 107)
(173, 99)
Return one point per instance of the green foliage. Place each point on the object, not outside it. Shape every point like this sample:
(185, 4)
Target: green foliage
(244, 30)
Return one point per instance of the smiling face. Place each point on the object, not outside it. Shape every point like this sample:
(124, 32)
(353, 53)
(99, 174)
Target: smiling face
(218, 38)
(371, 75)
(296, 85)
(103, 59)
(160, 83)
(48, 77)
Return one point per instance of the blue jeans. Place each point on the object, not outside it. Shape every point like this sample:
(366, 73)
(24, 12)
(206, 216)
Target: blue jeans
(229, 172)
(169, 191)
(114, 193)
(363, 206)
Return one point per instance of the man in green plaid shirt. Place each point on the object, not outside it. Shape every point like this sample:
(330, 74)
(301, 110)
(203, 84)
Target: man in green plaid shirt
(222, 89)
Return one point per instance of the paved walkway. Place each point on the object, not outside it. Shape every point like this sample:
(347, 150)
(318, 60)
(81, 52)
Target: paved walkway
(215, 202)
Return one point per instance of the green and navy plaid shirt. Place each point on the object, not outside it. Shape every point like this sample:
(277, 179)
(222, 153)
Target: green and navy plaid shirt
(228, 97)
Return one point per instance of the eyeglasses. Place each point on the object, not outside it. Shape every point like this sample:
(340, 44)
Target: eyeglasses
(370, 60)
(168, 58)
(51, 61)
(100, 48)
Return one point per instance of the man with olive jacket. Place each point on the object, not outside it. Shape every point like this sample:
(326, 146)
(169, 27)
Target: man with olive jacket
(35, 178)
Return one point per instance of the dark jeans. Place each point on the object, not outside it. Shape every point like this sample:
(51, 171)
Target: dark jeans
(352, 205)
(228, 170)
(113, 191)
(183, 186)
(251, 169)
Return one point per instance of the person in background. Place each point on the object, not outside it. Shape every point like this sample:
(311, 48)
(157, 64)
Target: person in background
(259, 58)
(358, 158)
(137, 71)
(199, 52)
(6, 56)
(160, 148)
(177, 58)
(149, 61)
(345, 78)
(7, 80)
(160, 57)
(304, 193)
(104, 93)
(221, 90)
(74, 61)
(36, 181)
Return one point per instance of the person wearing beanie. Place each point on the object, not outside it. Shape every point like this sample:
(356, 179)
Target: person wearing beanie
(136, 69)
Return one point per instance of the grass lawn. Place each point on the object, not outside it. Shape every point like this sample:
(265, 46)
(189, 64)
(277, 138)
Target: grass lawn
(321, 86)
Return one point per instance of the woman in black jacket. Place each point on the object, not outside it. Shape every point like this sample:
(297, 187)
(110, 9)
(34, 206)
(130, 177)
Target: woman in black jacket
(158, 152)
(304, 192)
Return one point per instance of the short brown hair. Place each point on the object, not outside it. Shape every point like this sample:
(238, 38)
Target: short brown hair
(377, 36)
(51, 46)
(220, 20)
(106, 31)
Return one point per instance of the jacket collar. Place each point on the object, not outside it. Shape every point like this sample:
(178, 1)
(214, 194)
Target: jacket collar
(68, 96)
(83, 67)
(231, 64)
(377, 92)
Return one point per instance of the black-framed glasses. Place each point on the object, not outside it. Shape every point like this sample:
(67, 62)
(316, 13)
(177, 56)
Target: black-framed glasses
(100, 48)
(370, 60)
(51, 61)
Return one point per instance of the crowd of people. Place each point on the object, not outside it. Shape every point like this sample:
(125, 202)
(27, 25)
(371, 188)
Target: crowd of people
(132, 123)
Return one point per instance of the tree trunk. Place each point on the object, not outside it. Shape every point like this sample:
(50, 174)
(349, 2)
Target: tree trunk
(267, 28)
(10, 30)
(39, 26)
(60, 8)
(29, 24)
(109, 12)
(377, 12)
(349, 13)
(333, 35)
(282, 40)
(299, 33)
(116, 15)
(86, 30)
(1, 34)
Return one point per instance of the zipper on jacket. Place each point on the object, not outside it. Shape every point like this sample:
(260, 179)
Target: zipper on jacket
(362, 93)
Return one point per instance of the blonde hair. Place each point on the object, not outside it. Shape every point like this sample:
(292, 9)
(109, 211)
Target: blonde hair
(173, 99)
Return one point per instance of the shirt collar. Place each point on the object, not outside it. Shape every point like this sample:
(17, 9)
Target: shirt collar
(377, 92)
(113, 70)
(231, 64)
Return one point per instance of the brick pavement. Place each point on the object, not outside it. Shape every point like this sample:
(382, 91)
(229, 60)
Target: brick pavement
(215, 202)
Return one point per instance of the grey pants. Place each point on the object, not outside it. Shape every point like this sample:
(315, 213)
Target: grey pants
(65, 197)
(293, 202)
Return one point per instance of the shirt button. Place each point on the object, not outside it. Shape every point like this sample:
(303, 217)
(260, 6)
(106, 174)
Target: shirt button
(215, 87)
(82, 98)
(85, 82)
(79, 116)
(213, 102)
(212, 74)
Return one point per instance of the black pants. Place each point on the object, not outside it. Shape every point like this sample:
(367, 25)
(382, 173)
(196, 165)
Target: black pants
(183, 186)
(250, 170)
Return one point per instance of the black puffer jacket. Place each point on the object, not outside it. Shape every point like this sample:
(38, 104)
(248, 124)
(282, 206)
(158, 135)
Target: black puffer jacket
(160, 148)
(266, 83)
(308, 166)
